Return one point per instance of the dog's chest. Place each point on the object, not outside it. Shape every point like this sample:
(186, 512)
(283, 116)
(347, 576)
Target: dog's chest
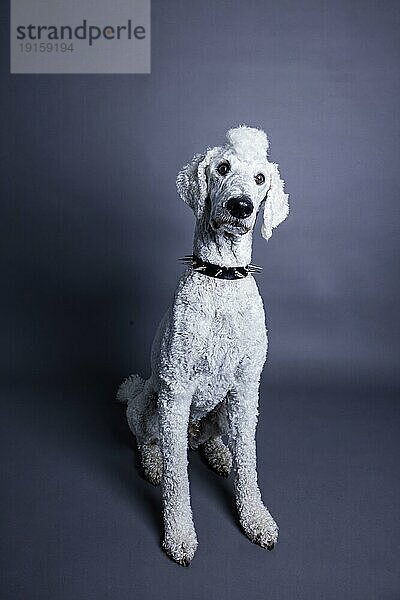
(229, 326)
(233, 340)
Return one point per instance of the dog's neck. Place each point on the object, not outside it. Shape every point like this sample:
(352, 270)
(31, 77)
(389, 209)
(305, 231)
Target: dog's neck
(221, 249)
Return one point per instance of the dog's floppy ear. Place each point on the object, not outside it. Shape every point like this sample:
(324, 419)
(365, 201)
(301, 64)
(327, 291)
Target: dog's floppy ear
(276, 207)
(191, 181)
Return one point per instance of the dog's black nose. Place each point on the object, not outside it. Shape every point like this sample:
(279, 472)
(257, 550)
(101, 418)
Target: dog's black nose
(240, 207)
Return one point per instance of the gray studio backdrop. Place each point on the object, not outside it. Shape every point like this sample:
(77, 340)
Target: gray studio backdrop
(92, 229)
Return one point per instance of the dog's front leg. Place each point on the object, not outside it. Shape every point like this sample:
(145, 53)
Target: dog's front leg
(254, 517)
(180, 541)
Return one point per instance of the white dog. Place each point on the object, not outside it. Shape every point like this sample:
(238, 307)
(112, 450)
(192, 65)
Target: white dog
(211, 346)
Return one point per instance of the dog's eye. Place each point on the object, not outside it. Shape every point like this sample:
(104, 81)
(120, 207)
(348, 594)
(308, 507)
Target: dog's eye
(224, 168)
(259, 178)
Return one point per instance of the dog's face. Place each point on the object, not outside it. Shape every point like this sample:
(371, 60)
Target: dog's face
(228, 185)
(236, 190)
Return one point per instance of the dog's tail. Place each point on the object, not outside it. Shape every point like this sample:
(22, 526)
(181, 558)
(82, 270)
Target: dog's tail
(129, 388)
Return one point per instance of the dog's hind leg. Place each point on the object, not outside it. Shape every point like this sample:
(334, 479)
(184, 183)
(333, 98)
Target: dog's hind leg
(143, 422)
(217, 455)
(152, 462)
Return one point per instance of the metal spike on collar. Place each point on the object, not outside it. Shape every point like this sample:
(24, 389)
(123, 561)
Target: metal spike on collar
(254, 267)
(186, 259)
(218, 273)
(200, 268)
(239, 274)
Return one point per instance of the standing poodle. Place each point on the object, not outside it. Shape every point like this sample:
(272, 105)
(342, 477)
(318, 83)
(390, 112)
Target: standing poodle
(211, 345)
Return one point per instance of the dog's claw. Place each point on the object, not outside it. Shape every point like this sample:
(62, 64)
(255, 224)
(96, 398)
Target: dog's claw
(271, 546)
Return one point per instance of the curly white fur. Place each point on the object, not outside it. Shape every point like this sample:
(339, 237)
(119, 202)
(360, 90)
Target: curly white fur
(210, 347)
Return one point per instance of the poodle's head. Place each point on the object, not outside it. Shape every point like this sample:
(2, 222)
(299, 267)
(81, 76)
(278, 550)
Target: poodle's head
(228, 185)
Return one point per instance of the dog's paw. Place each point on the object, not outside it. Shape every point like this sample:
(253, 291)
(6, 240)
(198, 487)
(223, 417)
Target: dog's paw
(217, 456)
(259, 526)
(152, 463)
(181, 544)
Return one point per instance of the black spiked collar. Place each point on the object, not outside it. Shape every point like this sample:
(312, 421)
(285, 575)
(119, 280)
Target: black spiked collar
(218, 272)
